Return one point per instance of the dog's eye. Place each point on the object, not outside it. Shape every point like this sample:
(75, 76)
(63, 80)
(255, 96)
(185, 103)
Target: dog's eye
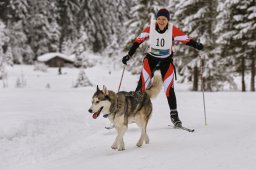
(97, 102)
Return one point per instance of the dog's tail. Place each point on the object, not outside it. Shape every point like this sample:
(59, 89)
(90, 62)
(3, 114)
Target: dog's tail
(156, 86)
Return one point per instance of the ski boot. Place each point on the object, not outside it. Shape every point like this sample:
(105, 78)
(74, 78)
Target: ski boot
(175, 119)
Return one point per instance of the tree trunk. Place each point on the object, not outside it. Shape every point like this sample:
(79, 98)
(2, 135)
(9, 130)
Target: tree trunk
(201, 75)
(243, 74)
(195, 80)
(253, 74)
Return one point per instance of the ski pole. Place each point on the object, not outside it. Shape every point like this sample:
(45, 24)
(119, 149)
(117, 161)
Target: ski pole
(121, 79)
(202, 80)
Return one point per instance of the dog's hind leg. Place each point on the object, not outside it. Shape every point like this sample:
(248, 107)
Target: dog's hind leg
(142, 122)
(146, 139)
(141, 140)
(143, 135)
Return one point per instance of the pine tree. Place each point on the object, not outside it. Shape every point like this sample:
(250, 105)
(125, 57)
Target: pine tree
(197, 19)
(236, 32)
(67, 12)
(4, 40)
(41, 27)
(21, 50)
(82, 80)
(103, 22)
(9, 56)
(249, 31)
(14, 13)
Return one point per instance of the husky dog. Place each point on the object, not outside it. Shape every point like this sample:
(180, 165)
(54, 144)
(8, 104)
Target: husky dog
(123, 108)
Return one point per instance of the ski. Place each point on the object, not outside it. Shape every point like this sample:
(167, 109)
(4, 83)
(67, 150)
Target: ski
(183, 128)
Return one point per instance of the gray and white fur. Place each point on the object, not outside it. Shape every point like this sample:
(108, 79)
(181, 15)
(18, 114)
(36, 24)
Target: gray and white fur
(123, 108)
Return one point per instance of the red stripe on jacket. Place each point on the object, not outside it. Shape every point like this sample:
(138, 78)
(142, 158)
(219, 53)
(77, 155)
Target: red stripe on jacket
(177, 34)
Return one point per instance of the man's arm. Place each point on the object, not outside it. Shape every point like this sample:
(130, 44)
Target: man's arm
(139, 40)
(183, 38)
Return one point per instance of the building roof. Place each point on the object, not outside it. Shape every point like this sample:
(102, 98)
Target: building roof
(49, 56)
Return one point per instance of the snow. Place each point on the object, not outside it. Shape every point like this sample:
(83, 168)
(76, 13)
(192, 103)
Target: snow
(50, 128)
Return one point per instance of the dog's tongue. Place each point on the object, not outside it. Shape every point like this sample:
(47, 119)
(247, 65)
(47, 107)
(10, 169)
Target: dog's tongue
(95, 115)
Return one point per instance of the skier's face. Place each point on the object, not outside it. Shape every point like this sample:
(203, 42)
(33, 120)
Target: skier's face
(162, 22)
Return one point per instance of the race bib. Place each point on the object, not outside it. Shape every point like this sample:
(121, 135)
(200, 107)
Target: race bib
(160, 44)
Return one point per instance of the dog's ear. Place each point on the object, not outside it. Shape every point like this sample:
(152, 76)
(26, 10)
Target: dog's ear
(105, 90)
(98, 88)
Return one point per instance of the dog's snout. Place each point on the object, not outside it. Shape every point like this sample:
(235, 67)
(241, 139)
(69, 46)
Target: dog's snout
(90, 110)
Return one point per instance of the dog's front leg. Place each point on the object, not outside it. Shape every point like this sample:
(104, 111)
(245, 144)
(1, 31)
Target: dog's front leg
(120, 142)
(114, 145)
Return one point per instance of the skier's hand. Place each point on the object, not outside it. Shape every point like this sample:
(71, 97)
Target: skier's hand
(196, 45)
(125, 59)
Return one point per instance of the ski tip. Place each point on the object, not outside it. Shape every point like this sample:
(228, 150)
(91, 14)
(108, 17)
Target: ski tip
(183, 128)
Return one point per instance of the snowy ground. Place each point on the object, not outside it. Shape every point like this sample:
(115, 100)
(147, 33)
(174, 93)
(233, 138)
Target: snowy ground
(50, 128)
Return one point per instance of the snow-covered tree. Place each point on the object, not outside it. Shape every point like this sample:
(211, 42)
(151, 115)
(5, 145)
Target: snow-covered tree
(4, 40)
(9, 56)
(53, 34)
(236, 33)
(21, 82)
(14, 14)
(103, 22)
(248, 31)
(82, 80)
(197, 19)
(67, 10)
(42, 28)
(21, 51)
(3, 37)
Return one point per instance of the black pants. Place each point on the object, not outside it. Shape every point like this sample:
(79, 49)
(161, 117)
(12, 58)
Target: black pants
(167, 69)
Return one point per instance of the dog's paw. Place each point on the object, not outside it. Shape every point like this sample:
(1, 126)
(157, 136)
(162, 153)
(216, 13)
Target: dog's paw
(146, 140)
(114, 147)
(121, 149)
(139, 144)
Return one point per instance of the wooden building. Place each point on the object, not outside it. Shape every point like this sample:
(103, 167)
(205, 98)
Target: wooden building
(56, 59)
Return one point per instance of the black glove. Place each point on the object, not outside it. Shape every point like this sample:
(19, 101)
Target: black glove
(125, 59)
(196, 45)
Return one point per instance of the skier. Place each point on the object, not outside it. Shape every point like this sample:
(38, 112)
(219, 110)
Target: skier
(161, 34)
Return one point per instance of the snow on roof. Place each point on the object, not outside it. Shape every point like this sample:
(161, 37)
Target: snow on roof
(48, 56)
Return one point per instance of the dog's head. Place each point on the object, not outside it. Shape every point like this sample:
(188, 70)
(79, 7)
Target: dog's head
(100, 102)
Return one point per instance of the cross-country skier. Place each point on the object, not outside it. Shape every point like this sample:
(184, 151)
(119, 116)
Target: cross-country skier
(161, 35)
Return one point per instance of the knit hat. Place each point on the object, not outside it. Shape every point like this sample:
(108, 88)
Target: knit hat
(163, 12)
